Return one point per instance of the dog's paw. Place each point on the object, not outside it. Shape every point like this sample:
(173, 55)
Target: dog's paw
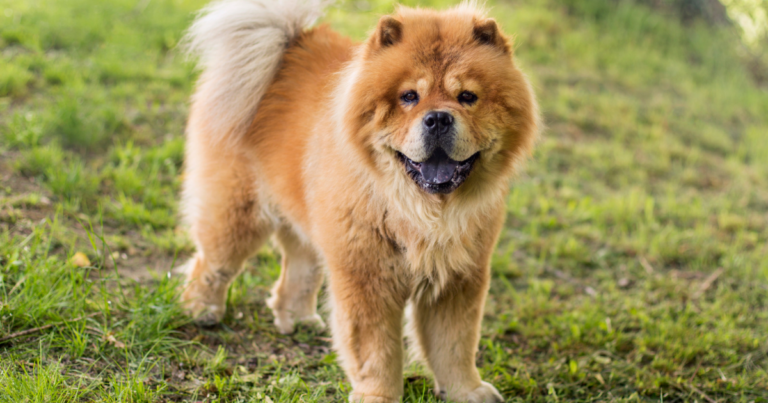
(485, 393)
(358, 398)
(202, 312)
(205, 314)
(314, 321)
(286, 324)
(287, 319)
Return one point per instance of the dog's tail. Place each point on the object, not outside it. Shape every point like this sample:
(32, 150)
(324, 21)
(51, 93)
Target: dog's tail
(238, 45)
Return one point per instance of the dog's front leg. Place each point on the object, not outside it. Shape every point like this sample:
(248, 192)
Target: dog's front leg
(448, 331)
(368, 304)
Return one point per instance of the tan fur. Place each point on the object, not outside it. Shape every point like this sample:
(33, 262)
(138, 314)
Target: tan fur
(318, 166)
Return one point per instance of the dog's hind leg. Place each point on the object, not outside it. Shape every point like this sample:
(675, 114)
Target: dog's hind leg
(294, 295)
(226, 222)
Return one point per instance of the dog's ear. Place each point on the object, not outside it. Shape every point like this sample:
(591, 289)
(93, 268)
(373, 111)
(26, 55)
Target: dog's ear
(388, 32)
(487, 32)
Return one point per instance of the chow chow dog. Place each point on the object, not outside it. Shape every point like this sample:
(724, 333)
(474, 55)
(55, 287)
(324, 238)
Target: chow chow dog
(382, 165)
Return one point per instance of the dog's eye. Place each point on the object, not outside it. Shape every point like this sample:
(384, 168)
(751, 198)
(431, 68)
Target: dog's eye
(467, 97)
(410, 97)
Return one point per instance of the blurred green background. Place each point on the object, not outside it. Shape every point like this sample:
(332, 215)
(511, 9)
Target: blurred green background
(633, 266)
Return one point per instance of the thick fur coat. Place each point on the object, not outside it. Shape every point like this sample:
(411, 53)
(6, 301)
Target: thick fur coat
(382, 166)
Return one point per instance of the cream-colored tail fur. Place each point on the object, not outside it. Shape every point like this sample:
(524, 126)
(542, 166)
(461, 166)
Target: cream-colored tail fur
(239, 45)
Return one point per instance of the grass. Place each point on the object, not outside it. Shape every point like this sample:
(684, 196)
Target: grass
(633, 267)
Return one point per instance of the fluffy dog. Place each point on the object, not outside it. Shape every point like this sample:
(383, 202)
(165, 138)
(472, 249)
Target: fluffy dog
(384, 164)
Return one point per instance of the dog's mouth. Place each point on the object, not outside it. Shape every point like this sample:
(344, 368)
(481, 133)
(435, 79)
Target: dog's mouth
(439, 173)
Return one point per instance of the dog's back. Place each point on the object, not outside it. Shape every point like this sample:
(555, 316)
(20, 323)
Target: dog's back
(288, 117)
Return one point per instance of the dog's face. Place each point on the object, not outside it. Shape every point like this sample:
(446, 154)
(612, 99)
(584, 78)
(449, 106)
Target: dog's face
(439, 94)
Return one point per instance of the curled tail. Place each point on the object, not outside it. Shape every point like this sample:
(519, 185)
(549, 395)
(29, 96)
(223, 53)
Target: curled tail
(239, 45)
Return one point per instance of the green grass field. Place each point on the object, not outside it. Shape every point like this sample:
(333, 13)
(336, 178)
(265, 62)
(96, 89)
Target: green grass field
(633, 266)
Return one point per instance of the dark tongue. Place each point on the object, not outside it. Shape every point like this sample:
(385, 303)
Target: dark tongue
(439, 168)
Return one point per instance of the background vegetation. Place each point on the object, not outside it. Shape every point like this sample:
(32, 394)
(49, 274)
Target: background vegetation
(634, 265)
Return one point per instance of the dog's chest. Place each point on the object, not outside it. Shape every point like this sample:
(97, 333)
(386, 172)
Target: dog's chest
(434, 254)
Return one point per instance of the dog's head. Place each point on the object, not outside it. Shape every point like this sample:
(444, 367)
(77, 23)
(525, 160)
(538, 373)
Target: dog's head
(437, 95)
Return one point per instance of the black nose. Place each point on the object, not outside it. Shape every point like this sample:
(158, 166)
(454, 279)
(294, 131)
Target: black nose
(438, 123)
